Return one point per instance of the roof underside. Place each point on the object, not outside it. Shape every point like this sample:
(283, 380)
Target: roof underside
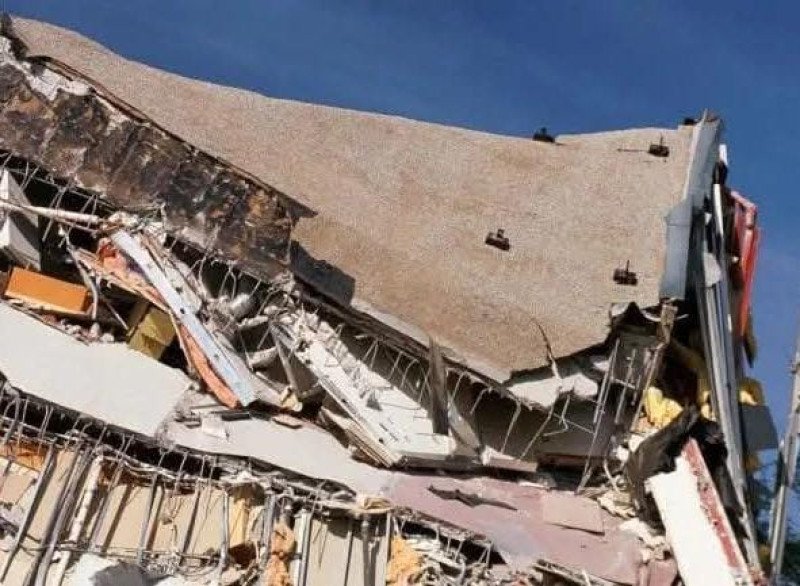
(401, 208)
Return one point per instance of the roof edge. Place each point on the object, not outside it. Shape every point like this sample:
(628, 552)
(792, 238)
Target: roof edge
(704, 154)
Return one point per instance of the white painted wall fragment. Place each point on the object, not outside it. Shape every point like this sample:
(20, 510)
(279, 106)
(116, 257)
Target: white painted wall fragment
(697, 548)
(19, 231)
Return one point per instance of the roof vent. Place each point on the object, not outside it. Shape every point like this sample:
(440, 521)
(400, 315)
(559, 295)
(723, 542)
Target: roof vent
(660, 149)
(625, 276)
(498, 239)
(541, 135)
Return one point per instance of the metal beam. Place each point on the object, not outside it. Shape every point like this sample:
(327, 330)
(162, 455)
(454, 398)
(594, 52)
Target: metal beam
(214, 352)
(787, 469)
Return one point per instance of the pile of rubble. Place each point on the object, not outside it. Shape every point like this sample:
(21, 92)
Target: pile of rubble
(192, 396)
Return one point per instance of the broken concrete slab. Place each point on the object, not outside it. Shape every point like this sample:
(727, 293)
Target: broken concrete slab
(569, 510)
(307, 450)
(88, 378)
(522, 535)
(545, 386)
(382, 410)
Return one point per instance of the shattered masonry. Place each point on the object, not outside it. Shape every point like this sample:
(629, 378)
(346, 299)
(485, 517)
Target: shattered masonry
(278, 343)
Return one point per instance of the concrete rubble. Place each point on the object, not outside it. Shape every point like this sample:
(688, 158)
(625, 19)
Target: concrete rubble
(222, 368)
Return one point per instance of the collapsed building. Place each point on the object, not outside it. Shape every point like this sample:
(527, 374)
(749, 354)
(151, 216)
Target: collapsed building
(249, 340)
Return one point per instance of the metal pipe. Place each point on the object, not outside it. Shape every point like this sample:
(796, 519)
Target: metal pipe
(57, 215)
(55, 522)
(23, 419)
(241, 305)
(68, 502)
(365, 544)
(539, 432)
(177, 481)
(48, 414)
(6, 471)
(10, 458)
(225, 538)
(101, 515)
(80, 519)
(187, 535)
(625, 385)
(284, 358)
(262, 358)
(304, 553)
(253, 322)
(268, 519)
(511, 424)
(13, 424)
(350, 523)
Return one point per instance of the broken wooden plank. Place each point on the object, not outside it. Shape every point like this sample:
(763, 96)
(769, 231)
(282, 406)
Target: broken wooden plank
(47, 293)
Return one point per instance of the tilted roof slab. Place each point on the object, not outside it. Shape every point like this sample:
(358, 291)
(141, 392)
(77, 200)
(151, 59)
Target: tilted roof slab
(400, 208)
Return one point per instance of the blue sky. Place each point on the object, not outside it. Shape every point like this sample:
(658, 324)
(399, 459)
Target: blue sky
(510, 67)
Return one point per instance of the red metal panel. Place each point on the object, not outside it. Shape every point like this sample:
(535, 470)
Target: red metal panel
(746, 236)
